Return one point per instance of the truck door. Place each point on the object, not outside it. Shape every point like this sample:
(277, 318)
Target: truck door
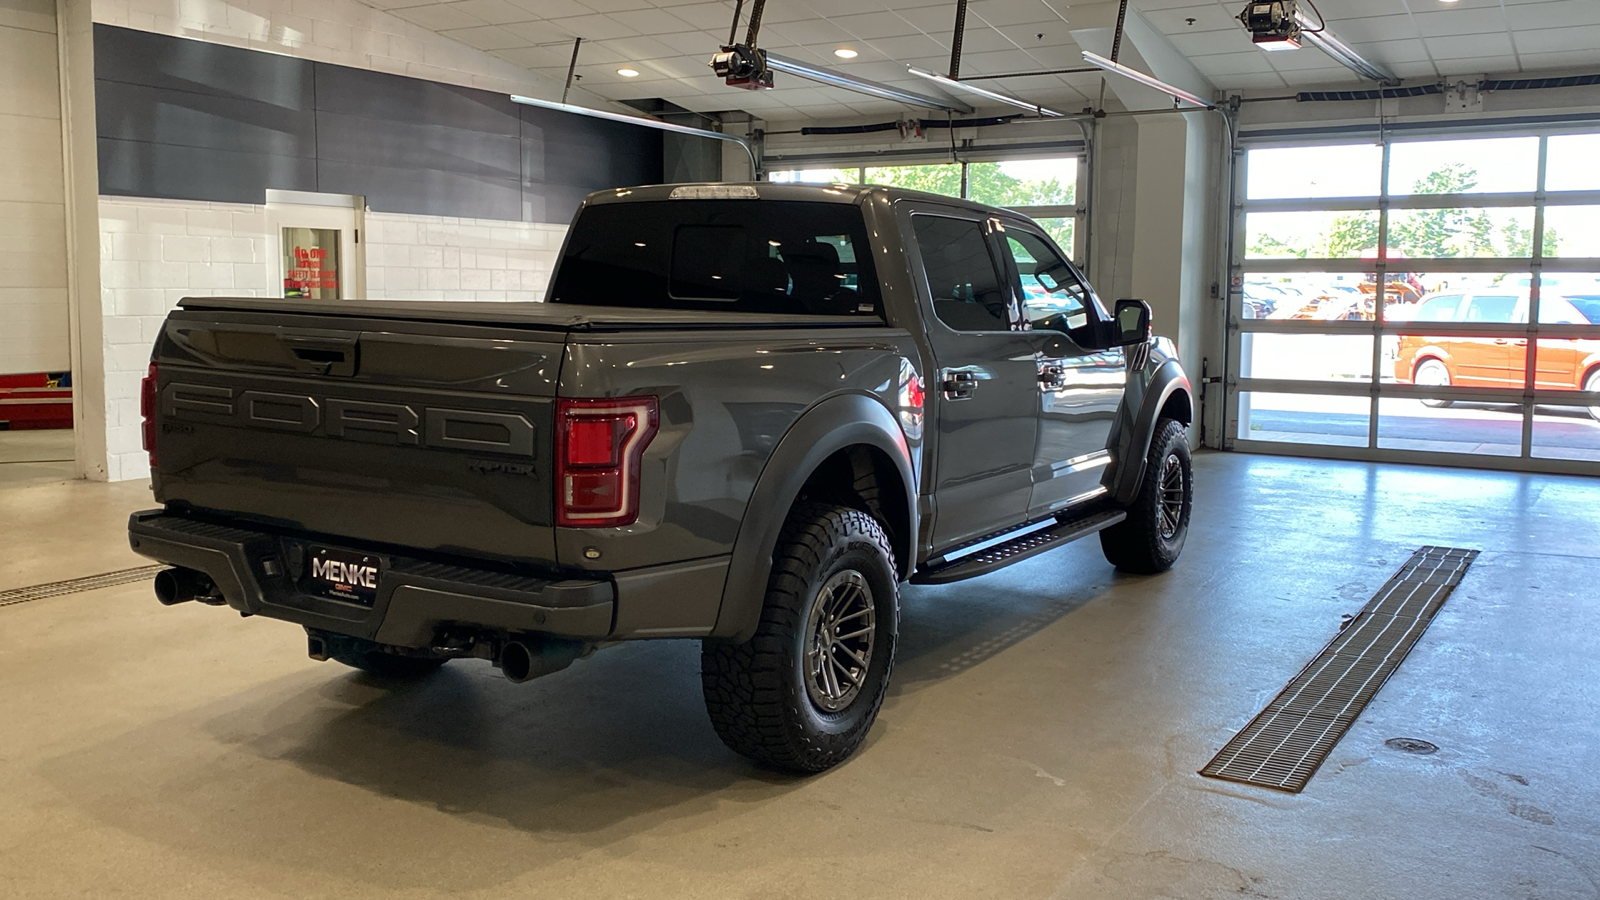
(1078, 388)
(984, 397)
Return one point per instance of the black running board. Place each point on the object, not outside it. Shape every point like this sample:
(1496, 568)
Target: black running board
(1018, 549)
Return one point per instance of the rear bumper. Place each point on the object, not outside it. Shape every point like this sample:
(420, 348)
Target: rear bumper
(415, 598)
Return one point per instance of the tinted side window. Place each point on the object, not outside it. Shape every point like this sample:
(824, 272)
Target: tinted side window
(1491, 308)
(1052, 296)
(962, 277)
(1441, 308)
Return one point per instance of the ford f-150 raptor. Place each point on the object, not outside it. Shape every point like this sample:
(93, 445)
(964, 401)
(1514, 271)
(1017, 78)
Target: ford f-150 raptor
(746, 414)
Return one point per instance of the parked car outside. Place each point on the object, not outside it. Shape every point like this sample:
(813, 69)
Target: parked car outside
(1563, 364)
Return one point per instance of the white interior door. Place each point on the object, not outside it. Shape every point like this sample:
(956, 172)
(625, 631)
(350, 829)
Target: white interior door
(316, 245)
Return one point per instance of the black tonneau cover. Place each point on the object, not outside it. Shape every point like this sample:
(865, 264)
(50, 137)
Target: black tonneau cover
(542, 316)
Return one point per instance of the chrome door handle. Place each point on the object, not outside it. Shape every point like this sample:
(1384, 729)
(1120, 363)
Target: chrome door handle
(1052, 378)
(958, 384)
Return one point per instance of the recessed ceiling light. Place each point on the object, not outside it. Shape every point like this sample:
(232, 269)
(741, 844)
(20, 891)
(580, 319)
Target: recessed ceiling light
(628, 73)
(845, 53)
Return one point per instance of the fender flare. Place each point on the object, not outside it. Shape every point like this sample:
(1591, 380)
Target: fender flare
(841, 421)
(1137, 428)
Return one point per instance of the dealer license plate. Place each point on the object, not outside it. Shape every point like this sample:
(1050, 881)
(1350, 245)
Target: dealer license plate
(343, 575)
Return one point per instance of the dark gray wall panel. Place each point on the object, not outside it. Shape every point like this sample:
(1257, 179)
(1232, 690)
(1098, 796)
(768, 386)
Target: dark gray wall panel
(197, 67)
(378, 95)
(138, 169)
(424, 192)
(136, 112)
(184, 119)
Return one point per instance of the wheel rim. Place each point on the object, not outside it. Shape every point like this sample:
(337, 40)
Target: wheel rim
(839, 640)
(1172, 490)
(1433, 374)
(1593, 387)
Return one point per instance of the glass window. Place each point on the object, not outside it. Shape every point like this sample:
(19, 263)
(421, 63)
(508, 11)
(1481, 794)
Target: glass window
(1052, 295)
(1307, 295)
(1494, 309)
(1570, 165)
(1572, 230)
(1060, 229)
(1580, 289)
(1306, 357)
(745, 256)
(1461, 233)
(815, 176)
(942, 179)
(1478, 166)
(1481, 429)
(1286, 173)
(311, 263)
(1407, 293)
(962, 277)
(1303, 418)
(1033, 182)
(1316, 234)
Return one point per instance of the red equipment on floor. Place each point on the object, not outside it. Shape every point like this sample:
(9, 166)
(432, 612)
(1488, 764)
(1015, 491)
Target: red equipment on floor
(41, 400)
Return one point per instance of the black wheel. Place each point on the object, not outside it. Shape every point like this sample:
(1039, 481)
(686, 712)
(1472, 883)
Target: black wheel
(1151, 537)
(370, 657)
(803, 692)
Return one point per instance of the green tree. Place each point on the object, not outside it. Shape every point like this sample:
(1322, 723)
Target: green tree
(1270, 247)
(1443, 233)
(1352, 235)
(1516, 240)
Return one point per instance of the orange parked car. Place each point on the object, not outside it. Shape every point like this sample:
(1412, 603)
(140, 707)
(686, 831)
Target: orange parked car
(1563, 364)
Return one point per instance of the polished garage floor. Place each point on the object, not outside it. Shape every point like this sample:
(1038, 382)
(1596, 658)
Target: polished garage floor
(1040, 740)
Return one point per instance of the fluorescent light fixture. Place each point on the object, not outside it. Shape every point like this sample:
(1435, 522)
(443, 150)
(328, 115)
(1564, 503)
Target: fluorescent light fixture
(628, 73)
(1176, 93)
(845, 53)
(1328, 43)
(641, 121)
(861, 85)
(943, 81)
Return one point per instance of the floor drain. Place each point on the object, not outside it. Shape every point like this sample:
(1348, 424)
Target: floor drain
(1411, 745)
(1284, 744)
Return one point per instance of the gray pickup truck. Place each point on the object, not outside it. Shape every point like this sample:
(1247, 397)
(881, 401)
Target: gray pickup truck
(746, 415)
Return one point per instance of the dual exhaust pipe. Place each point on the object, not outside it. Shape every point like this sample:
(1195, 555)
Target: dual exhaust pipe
(520, 660)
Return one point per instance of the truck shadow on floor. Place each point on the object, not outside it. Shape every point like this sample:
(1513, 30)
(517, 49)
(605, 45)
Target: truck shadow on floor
(591, 758)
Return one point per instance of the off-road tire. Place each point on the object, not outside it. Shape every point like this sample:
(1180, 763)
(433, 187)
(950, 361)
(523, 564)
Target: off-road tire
(757, 692)
(369, 657)
(1140, 544)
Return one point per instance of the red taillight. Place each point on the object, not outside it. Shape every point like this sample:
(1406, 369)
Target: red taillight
(599, 446)
(147, 409)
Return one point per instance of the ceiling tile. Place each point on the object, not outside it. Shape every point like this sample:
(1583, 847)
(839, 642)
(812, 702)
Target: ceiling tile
(486, 37)
(1469, 45)
(649, 21)
(592, 28)
(875, 25)
(1550, 40)
(1461, 21)
(438, 17)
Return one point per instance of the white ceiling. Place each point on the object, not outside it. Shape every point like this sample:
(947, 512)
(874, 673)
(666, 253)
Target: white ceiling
(669, 42)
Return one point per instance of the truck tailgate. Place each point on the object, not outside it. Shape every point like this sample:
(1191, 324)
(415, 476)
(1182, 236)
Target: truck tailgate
(411, 433)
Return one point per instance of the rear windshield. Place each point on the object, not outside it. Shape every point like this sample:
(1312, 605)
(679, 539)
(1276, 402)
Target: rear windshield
(737, 255)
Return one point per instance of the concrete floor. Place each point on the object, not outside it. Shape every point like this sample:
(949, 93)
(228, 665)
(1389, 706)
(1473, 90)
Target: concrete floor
(1041, 736)
(35, 456)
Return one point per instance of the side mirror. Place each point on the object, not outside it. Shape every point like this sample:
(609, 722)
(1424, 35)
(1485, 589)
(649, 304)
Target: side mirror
(1131, 323)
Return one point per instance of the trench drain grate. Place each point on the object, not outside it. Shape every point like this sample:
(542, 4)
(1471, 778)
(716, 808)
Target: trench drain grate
(1284, 744)
(74, 585)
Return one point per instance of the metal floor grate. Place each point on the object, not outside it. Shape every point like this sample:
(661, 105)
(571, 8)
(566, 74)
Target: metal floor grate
(1284, 744)
(89, 583)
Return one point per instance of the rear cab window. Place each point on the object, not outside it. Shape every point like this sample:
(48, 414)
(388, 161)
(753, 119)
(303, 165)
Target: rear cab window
(756, 256)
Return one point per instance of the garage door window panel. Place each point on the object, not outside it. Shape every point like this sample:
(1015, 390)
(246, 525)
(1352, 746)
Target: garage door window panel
(1323, 419)
(1474, 166)
(1463, 426)
(1318, 172)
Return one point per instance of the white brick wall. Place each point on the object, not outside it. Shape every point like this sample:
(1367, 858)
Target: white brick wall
(344, 32)
(154, 253)
(443, 258)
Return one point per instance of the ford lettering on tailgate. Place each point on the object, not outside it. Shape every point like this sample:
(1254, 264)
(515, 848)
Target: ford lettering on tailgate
(401, 424)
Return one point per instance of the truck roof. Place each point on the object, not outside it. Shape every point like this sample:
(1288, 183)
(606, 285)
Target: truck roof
(769, 190)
